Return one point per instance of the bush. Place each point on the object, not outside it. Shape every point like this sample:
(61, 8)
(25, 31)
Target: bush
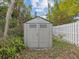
(11, 46)
(2, 24)
(3, 11)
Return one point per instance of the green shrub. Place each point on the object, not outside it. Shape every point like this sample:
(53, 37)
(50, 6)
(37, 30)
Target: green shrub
(3, 11)
(12, 46)
(13, 23)
(2, 24)
(60, 43)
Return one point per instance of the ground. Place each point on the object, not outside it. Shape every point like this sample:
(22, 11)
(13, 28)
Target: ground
(60, 50)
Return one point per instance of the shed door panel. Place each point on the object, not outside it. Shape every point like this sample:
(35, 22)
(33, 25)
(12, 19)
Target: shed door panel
(44, 35)
(32, 35)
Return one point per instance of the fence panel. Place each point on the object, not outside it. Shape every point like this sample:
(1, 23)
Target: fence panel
(69, 32)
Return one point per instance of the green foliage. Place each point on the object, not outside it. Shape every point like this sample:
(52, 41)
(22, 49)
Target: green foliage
(15, 13)
(14, 43)
(70, 6)
(2, 23)
(12, 46)
(63, 12)
(59, 43)
(3, 11)
(19, 2)
(13, 23)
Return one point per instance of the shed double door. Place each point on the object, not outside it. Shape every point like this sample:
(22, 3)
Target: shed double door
(39, 35)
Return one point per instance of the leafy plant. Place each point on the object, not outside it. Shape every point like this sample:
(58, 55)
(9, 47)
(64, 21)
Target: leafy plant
(12, 46)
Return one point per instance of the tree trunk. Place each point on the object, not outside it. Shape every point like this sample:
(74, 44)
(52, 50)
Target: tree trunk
(8, 17)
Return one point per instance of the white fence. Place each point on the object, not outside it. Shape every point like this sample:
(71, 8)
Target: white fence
(70, 32)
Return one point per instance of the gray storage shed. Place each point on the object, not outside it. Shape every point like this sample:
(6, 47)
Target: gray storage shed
(38, 33)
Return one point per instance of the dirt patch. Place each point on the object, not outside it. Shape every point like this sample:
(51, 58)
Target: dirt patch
(49, 54)
(60, 50)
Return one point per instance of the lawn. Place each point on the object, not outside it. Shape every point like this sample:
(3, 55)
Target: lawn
(60, 50)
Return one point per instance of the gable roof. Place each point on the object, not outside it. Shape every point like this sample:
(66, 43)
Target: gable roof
(38, 19)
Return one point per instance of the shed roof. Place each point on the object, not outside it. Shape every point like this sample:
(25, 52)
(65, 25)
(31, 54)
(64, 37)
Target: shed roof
(38, 19)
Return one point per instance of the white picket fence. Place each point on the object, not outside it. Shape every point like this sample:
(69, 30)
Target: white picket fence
(70, 32)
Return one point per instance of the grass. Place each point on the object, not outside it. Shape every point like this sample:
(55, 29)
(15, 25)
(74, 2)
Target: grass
(61, 44)
(60, 50)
